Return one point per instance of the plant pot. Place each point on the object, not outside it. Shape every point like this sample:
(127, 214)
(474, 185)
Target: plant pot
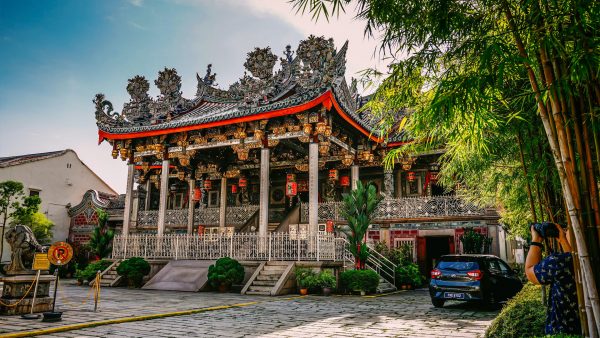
(362, 293)
(326, 292)
(303, 291)
(404, 286)
(223, 288)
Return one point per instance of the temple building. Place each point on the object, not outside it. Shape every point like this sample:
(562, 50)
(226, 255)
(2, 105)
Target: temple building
(273, 154)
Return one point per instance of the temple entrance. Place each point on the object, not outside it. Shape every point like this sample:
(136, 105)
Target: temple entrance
(436, 246)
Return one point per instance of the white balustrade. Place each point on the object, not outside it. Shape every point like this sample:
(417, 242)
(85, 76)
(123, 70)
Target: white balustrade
(241, 246)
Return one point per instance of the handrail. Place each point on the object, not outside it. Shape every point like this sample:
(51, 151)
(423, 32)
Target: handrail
(252, 219)
(378, 263)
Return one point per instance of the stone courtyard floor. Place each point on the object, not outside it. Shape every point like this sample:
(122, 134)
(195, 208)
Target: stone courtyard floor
(402, 314)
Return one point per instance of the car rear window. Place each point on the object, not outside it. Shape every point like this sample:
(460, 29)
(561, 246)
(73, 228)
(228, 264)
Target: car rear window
(458, 264)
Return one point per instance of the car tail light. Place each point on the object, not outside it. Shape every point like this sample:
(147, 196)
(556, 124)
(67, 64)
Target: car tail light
(435, 273)
(475, 274)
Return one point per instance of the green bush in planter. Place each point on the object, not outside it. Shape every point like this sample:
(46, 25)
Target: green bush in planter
(305, 277)
(409, 274)
(359, 280)
(225, 271)
(89, 273)
(134, 269)
(326, 280)
(522, 316)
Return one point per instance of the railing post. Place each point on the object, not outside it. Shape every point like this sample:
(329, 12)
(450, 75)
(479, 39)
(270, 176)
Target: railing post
(298, 240)
(318, 240)
(176, 247)
(125, 248)
(269, 246)
(220, 245)
(231, 246)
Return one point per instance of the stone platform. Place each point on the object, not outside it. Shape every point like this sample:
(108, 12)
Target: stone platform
(17, 286)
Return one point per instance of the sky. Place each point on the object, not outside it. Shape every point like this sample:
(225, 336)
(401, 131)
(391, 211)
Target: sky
(55, 55)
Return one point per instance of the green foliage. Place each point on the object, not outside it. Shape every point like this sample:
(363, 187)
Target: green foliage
(409, 274)
(10, 192)
(326, 279)
(134, 269)
(475, 243)
(305, 277)
(400, 256)
(89, 273)
(359, 280)
(41, 227)
(225, 271)
(523, 316)
(101, 238)
(357, 209)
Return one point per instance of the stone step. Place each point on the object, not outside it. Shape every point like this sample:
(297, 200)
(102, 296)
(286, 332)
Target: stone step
(278, 263)
(267, 277)
(264, 282)
(280, 268)
(258, 293)
(260, 288)
(110, 276)
(271, 272)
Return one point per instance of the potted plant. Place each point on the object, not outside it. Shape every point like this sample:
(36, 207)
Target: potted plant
(225, 272)
(133, 270)
(327, 282)
(362, 281)
(305, 279)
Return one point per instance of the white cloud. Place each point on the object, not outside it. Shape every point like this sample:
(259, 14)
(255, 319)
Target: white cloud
(136, 3)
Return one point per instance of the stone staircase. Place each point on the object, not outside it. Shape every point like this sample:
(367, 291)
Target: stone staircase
(385, 286)
(109, 277)
(269, 279)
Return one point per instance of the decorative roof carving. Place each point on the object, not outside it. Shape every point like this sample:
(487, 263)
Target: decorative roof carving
(138, 108)
(315, 52)
(260, 63)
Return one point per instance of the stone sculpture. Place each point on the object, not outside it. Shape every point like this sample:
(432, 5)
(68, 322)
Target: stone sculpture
(23, 245)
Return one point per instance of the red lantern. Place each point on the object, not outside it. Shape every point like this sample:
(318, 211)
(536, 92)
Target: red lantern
(201, 229)
(197, 194)
(411, 175)
(345, 181)
(333, 174)
(291, 177)
(291, 189)
(207, 184)
(329, 226)
(234, 189)
(242, 182)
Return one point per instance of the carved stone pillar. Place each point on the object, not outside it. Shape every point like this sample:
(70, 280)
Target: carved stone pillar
(388, 183)
(263, 216)
(313, 187)
(190, 219)
(354, 176)
(164, 192)
(128, 199)
(223, 203)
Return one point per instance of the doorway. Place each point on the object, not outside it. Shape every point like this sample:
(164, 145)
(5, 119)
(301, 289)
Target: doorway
(436, 246)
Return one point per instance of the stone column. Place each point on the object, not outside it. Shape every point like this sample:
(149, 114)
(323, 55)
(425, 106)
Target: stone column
(223, 203)
(354, 176)
(190, 219)
(388, 183)
(148, 194)
(164, 191)
(313, 187)
(128, 199)
(263, 216)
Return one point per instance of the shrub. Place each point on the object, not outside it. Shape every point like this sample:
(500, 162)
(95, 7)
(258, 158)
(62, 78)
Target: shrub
(359, 280)
(225, 271)
(522, 316)
(326, 279)
(409, 274)
(91, 269)
(134, 269)
(305, 277)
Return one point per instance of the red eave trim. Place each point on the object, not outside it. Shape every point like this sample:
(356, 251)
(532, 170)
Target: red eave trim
(398, 144)
(352, 122)
(102, 135)
(153, 167)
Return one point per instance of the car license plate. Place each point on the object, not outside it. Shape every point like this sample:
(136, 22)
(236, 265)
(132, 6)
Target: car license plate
(454, 295)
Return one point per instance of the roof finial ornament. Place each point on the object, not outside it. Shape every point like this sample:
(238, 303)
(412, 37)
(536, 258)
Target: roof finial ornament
(209, 78)
(289, 54)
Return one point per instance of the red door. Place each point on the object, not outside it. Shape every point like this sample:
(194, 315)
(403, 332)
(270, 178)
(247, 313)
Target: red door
(422, 255)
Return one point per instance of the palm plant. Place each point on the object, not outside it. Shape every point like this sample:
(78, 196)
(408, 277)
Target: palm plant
(101, 238)
(358, 207)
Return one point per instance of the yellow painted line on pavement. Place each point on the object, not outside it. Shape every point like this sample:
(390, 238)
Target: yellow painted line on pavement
(79, 326)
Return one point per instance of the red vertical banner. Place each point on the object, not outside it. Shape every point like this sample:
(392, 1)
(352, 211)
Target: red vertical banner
(451, 244)
(422, 254)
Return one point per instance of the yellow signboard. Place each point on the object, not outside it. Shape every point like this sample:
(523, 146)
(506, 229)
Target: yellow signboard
(60, 253)
(41, 262)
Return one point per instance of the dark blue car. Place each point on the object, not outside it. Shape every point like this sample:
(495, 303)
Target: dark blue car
(482, 278)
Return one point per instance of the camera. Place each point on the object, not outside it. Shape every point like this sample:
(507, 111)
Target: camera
(547, 229)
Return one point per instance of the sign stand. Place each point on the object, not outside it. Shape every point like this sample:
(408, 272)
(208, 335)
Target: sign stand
(59, 254)
(30, 315)
(40, 262)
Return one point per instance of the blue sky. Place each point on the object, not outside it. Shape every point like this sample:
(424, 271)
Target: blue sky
(56, 55)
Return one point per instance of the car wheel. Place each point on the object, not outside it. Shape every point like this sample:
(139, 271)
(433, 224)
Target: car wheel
(437, 302)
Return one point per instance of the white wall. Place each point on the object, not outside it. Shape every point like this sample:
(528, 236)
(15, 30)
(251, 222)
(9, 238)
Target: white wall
(62, 181)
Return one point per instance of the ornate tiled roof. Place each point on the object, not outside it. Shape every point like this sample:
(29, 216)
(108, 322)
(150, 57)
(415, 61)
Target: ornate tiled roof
(98, 199)
(316, 69)
(22, 159)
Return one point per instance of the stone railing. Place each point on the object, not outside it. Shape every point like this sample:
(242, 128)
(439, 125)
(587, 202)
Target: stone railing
(235, 215)
(403, 208)
(240, 246)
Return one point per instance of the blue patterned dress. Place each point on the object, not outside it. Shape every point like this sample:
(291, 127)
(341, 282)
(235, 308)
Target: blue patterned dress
(556, 270)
